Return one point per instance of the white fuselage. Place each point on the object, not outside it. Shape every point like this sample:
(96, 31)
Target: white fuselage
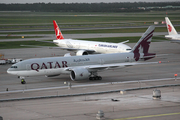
(98, 47)
(173, 37)
(87, 66)
(59, 65)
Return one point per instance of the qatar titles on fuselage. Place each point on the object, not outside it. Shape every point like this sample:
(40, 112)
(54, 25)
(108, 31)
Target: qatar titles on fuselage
(84, 67)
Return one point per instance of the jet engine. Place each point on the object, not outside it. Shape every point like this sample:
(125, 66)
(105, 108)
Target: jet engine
(81, 52)
(79, 74)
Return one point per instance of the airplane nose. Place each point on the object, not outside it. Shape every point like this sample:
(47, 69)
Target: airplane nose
(8, 71)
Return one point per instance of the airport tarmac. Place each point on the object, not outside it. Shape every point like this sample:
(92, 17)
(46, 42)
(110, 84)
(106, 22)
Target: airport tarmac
(75, 36)
(137, 104)
(166, 69)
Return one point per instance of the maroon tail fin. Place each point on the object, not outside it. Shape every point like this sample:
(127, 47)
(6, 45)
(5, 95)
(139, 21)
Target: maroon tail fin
(142, 46)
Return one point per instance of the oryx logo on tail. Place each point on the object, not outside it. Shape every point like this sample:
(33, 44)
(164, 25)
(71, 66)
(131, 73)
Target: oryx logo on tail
(58, 33)
(142, 46)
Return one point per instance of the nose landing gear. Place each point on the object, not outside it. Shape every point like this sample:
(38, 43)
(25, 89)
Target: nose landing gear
(22, 80)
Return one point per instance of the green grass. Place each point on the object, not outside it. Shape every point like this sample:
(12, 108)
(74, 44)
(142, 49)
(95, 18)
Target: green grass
(17, 37)
(17, 44)
(33, 18)
(114, 39)
(74, 18)
(121, 39)
(127, 30)
(43, 20)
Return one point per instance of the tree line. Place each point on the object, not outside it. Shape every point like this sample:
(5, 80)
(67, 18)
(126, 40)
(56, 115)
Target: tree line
(86, 7)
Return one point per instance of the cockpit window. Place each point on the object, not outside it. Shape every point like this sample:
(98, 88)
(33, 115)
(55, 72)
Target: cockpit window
(128, 49)
(13, 66)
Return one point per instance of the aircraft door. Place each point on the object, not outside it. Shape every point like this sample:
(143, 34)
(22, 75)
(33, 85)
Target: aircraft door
(101, 61)
(76, 44)
(28, 67)
(129, 59)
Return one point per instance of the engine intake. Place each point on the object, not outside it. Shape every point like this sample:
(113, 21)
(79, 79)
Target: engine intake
(81, 52)
(79, 74)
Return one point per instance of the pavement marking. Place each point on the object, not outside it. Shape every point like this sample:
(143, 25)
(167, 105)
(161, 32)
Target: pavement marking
(86, 85)
(148, 116)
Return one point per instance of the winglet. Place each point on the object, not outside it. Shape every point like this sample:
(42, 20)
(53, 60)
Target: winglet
(124, 41)
(58, 33)
(170, 27)
(142, 46)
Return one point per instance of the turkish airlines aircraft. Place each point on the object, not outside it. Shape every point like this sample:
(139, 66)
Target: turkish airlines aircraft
(82, 47)
(85, 67)
(173, 35)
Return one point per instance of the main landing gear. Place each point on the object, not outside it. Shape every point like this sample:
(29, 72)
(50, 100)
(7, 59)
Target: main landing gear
(22, 80)
(94, 76)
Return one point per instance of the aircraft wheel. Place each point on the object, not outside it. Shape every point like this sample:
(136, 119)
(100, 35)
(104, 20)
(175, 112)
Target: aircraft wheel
(90, 78)
(95, 78)
(23, 81)
(99, 78)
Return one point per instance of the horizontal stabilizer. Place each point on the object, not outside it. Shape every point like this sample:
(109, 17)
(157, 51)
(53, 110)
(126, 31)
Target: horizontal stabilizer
(35, 46)
(46, 41)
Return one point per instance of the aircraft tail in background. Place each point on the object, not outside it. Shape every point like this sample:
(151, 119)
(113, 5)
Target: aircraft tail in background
(58, 33)
(170, 27)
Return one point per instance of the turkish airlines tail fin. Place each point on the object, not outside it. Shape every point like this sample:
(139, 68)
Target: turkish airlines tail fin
(170, 27)
(142, 46)
(58, 33)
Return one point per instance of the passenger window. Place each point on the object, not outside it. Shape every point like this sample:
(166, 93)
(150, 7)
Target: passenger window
(13, 66)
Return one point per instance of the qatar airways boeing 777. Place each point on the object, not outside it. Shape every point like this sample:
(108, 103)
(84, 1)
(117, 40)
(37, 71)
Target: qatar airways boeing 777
(85, 67)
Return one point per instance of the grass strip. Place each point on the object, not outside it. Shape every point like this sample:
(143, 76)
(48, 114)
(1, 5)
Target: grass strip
(17, 44)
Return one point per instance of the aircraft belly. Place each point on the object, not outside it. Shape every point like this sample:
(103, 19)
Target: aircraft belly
(29, 73)
(56, 71)
(40, 72)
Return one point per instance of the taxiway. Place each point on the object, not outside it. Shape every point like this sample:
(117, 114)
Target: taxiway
(137, 104)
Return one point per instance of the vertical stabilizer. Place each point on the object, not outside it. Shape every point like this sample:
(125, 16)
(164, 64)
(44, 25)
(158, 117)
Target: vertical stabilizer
(142, 46)
(170, 27)
(58, 33)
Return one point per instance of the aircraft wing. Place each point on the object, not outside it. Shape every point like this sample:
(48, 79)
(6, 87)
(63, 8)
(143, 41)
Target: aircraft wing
(112, 66)
(118, 65)
(124, 41)
(69, 49)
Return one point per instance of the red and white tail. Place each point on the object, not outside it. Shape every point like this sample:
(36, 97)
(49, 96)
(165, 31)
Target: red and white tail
(142, 46)
(170, 27)
(58, 33)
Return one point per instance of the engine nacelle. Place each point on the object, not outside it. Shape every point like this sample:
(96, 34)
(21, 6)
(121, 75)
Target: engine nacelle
(81, 52)
(79, 74)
